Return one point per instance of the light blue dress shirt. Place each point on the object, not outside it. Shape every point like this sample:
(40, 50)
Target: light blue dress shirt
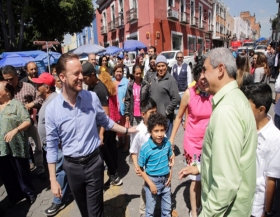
(76, 127)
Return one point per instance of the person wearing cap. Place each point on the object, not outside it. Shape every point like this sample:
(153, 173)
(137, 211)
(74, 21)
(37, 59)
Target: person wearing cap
(164, 90)
(46, 89)
(120, 59)
(97, 86)
(72, 118)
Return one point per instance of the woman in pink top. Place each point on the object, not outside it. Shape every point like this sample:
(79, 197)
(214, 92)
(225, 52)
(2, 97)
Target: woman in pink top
(196, 104)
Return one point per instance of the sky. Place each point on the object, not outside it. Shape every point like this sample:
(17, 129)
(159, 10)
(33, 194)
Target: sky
(263, 10)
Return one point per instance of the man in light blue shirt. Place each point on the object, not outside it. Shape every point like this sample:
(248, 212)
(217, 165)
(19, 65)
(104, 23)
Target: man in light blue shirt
(72, 118)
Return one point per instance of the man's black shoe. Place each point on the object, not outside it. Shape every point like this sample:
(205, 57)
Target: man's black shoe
(54, 209)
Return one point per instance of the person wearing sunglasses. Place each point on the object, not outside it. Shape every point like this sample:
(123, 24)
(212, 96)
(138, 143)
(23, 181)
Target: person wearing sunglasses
(182, 73)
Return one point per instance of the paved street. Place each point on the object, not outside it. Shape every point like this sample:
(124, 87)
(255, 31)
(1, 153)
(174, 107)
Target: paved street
(119, 201)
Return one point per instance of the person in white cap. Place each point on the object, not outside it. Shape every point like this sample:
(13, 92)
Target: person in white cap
(164, 90)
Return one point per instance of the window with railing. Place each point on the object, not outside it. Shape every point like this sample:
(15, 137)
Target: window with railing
(192, 11)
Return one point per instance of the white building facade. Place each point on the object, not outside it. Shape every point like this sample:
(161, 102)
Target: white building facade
(242, 29)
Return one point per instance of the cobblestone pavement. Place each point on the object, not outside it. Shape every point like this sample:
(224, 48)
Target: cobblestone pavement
(118, 201)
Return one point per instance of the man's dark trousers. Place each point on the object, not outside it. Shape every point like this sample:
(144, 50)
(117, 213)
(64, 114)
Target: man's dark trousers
(86, 184)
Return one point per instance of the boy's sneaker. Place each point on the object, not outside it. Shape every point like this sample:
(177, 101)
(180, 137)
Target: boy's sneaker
(54, 209)
(114, 180)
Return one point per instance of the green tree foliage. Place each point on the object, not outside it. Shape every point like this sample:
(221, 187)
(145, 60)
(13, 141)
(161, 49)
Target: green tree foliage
(24, 21)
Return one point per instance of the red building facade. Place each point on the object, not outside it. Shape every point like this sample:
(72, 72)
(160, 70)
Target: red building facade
(166, 24)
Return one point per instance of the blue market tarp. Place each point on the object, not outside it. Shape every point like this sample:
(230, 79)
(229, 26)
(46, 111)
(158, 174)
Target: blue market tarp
(41, 67)
(14, 60)
(31, 53)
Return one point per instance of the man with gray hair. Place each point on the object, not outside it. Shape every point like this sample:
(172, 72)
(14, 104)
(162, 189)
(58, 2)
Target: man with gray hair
(228, 161)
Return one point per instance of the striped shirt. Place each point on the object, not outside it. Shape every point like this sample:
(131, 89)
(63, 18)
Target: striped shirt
(155, 158)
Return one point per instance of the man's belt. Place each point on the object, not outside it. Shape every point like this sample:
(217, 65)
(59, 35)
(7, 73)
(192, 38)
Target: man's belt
(82, 160)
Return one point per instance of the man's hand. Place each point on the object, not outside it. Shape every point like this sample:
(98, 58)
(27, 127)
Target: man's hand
(29, 106)
(10, 135)
(153, 188)
(132, 130)
(101, 136)
(56, 189)
(127, 118)
(189, 170)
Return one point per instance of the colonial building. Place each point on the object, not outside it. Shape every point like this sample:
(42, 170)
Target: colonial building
(229, 28)
(242, 29)
(255, 26)
(220, 35)
(185, 25)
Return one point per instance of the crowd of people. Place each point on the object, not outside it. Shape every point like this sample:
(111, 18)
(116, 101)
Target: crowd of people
(81, 115)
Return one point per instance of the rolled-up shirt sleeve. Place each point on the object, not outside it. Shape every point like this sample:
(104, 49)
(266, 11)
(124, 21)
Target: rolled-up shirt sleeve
(52, 137)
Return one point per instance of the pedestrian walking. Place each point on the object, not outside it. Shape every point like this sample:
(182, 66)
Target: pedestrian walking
(14, 152)
(46, 90)
(157, 176)
(268, 149)
(197, 106)
(228, 160)
(72, 118)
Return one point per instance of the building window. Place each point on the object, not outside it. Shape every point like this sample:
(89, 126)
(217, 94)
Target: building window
(207, 47)
(177, 40)
(200, 46)
(113, 13)
(120, 6)
(183, 6)
(170, 3)
(191, 44)
(133, 4)
(192, 10)
(209, 19)
(217, 10)
(217, 27)
(200, 15)
(104, 20)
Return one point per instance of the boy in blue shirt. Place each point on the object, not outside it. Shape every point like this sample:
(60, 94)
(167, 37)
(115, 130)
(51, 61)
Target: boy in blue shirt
(154, 166)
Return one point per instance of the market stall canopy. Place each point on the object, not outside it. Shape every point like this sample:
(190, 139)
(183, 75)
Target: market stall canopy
(31, 53)
(89, 48)
(54, 56)
(133, 45)
(261, 39)
(111, 50)
(14, 60)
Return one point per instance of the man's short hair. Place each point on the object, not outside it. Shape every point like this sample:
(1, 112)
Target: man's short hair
(156, 119)
(224, 56)
(9, 69)
(259, 93)
(147, 104)
(63, 59)
(180, 52)
(154, 48)
(26, 65)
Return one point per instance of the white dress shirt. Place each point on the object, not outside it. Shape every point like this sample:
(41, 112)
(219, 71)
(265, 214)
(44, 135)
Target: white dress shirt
(277, 90)
(268, 163)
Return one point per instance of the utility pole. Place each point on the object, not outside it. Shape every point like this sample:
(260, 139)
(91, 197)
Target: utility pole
(47, 45)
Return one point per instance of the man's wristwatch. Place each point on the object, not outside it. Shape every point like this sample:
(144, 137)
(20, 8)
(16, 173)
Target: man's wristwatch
(268, 214)
(126, 132)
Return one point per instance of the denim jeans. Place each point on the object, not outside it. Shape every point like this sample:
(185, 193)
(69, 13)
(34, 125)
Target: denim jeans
(277, 121)
(163, 192)
(61, 179)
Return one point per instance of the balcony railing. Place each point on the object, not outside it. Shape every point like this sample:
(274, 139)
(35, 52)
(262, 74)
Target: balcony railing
(103, 30)
(119, 22)
(194, 21)
(131, 15)
(184, 17)
(210, 28)
(111, 26)
(173, 14)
